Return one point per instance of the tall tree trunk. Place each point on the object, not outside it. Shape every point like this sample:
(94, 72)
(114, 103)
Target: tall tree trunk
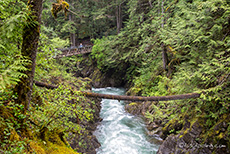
(164, 50)
(159, 8)
(31, 34)
(119, 17)
(164, 57)
(72, 35)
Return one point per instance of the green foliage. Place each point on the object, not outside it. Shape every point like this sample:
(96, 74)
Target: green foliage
(62, 108)
(103, 53)
(48, 48)
(11, 74)
(91, 19)
(195, 36)
(13, 19)
(155, 113)
(10, 127)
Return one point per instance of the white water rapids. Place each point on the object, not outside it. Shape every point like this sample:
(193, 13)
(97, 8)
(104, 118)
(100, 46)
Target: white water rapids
(120, 132)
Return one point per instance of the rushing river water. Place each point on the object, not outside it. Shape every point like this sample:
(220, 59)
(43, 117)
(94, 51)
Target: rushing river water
(121, 132)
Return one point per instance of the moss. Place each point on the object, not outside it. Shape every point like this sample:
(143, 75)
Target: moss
(50, 142)
(57, 137)
(170, 125)
(36, 147)
(65, 4)
(97, 75)
(221, 135)
(218, 131)
(58, 149)
(14, 136)
(42, 147)
(133, 103)
(185, 132)
(5, 112)
(44, 134)
(59, 6)
(5, 119)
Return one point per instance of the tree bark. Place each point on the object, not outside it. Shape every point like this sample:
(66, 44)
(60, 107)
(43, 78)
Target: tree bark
(42, 84)
(164, 57)
(164, 50)
(31, 34)
(72, 35)
(141, 98)
(119, 16)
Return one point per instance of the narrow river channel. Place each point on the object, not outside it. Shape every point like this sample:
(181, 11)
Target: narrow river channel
(121, 132)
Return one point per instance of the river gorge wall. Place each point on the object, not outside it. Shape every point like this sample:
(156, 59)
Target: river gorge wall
(88, 68)
(188, 136)
(86, 142)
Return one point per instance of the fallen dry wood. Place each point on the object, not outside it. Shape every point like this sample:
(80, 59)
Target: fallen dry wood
(128, 98)
(141, 98)
(42, 84)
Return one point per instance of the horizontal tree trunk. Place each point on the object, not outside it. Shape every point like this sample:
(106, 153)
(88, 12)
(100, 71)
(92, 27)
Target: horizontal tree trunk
(42, 84)
(128, 98)
(141, 98)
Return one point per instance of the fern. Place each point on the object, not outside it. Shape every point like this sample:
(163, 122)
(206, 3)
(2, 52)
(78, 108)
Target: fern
(12, 74)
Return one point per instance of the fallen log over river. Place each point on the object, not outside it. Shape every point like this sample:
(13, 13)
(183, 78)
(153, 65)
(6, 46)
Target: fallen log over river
(141, 98)
(127, 98)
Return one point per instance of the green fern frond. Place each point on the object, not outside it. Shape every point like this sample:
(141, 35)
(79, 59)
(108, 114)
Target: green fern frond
(12, 74)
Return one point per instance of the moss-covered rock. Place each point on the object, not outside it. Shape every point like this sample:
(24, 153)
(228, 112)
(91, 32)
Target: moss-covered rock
(194, 138)
(36, 147)
(42, 147)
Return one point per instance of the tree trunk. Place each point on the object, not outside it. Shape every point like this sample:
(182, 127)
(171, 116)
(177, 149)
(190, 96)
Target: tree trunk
(42, 84)
(162, 13)
(164, 57)
(31, 34)
(119, 17)
(141, 98)
(72, 35)
(164, 50)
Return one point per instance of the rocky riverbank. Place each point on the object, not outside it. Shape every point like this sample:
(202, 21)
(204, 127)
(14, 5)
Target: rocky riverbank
(189, 136)
(85, 141)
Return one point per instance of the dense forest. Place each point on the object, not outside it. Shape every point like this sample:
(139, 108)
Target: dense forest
(160, 47)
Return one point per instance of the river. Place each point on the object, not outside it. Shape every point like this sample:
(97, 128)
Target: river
(120, 132)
